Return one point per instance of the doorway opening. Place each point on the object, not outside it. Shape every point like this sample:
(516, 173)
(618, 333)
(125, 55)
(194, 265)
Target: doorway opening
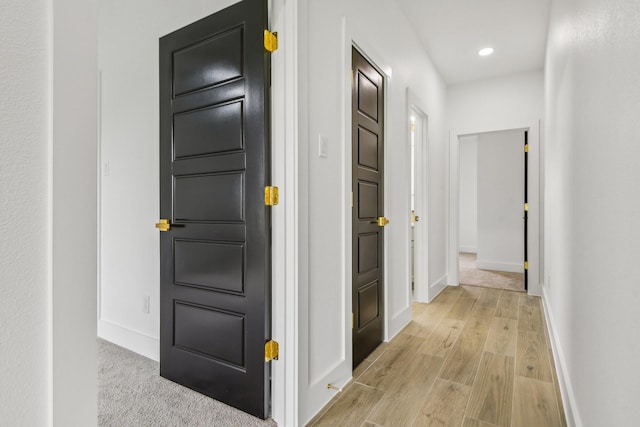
(493, 210)
(419, 230)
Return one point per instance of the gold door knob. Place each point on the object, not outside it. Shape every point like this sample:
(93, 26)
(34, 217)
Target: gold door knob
(163, 225)
(382, 221)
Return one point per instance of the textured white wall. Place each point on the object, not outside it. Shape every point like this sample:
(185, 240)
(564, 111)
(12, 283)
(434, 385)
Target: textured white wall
(469, 194)
(128, 64)
(592, 208)
(500, 201)
(48, 213)
(325, 301)
(24, 279)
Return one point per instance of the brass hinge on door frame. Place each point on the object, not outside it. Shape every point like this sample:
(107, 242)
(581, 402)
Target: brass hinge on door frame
(271, 196)
(526, 207)
(271, 351)
(270, 41)
(526, 148)
(526, 265)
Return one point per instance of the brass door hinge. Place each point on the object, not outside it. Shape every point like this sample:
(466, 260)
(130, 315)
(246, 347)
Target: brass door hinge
(526, 148)
(526, 207)
(163, 225)
(526, 265)
(271, 196)
(271, 351)
(270, 41)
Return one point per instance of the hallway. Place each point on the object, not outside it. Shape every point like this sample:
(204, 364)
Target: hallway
(474, 357)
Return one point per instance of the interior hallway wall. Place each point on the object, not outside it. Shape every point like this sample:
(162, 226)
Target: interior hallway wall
(592, 209)
(508, 102)
(24, 213)
(325, 300)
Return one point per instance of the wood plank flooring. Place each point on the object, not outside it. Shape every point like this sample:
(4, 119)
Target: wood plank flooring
(474, 357)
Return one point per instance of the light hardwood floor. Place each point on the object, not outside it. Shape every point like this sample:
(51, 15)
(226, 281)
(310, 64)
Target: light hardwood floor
(474, 357)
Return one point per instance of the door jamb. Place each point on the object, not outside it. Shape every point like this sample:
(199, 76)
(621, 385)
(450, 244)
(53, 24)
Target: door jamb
(421, 287)
(285, 158)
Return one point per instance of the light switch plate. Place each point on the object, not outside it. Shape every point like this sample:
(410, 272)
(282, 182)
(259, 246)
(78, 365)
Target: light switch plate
(323, 146)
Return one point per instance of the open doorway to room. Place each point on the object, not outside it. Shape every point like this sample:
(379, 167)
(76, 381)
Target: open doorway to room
(492, 227)
(419, 238)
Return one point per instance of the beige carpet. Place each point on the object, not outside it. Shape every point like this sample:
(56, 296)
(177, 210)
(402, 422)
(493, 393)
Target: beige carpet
(470, 275)
(132, 394)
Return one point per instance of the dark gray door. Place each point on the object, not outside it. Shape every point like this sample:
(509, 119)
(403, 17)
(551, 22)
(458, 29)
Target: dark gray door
(214, 165)
(368, 206)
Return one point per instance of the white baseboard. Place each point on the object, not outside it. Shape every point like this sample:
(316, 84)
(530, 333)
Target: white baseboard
(566, 390)
(129, 339)
(500, 266)
(469, 249)
(398, 322)
(436, 287)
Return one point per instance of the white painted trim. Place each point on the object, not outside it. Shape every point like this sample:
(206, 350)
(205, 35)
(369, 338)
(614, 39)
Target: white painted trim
(73, 212)
(566, 390)
(436, 287)
(535, 287)
(469, 249)
(135, 341)
(398, 322)
(50, 202)
(284, 173)
(421, 231)
(499, 266)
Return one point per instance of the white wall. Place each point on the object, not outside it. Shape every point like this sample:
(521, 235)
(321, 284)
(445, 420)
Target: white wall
(503, 103)
(469, 194)
(591, 290)
(74, 213)
(325, 282)
(48, 213)
(501, 201)
(24, 269)
(500, 103)
(128, 64)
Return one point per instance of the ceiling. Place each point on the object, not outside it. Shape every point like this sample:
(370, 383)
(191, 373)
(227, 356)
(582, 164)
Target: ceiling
(452, 32)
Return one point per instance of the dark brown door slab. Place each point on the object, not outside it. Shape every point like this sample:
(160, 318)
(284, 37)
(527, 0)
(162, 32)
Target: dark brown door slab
(215, 259)
(368, 206)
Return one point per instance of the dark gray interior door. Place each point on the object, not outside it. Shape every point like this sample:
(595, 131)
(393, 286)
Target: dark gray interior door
(214, 165)
(368, 206)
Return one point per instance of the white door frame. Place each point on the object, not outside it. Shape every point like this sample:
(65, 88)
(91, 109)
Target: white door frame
(535, 287)
(422, 292)
(285, 158)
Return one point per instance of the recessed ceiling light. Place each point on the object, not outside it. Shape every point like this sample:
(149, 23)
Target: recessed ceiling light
(486, 51)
